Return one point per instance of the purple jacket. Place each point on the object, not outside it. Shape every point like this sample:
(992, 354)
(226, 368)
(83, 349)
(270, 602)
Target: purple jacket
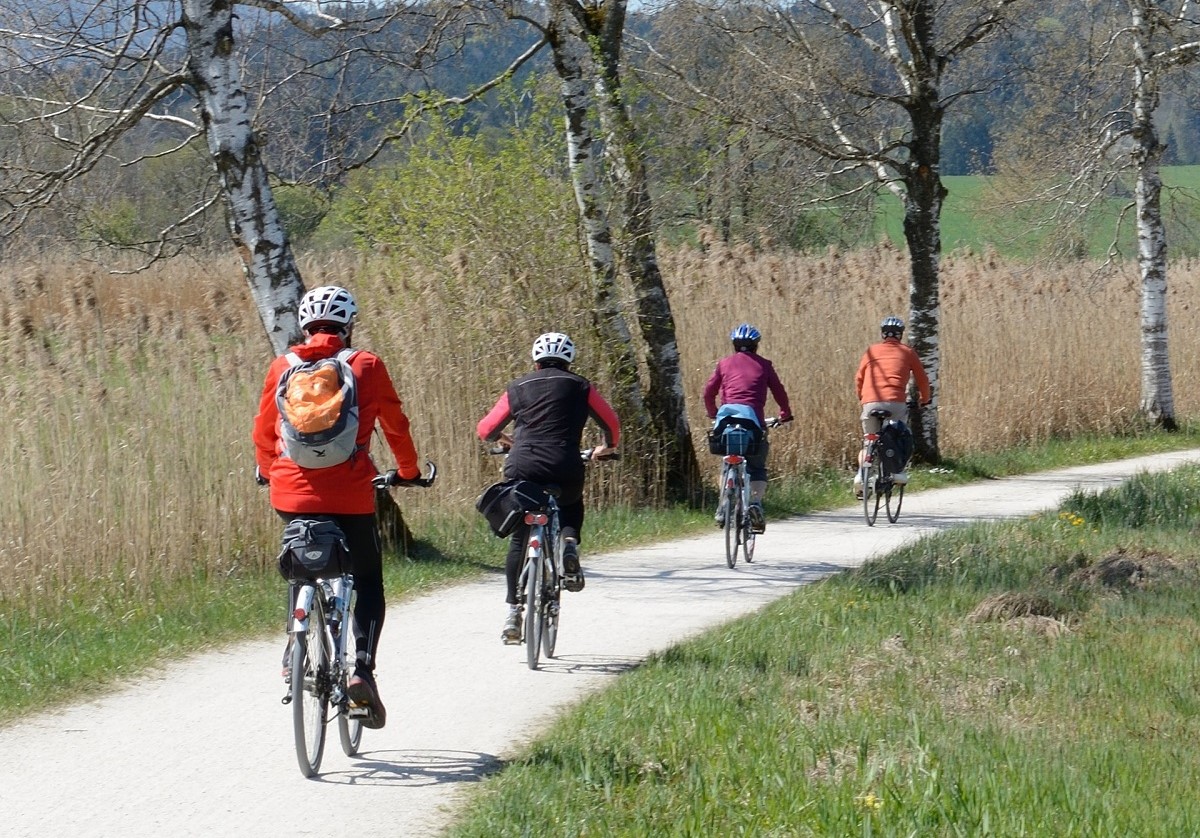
(745, 378)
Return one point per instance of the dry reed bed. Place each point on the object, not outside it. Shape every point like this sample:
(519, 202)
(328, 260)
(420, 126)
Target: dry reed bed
(128, 400)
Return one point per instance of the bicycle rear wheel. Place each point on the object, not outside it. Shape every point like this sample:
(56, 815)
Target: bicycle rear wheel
(533, 611)
(310, 693)
(896, 493)
(733, 524)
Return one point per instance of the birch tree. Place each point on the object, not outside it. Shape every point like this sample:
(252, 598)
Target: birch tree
(1163, 36)
(1111, 64)
(586, 41)
(866, 86)
(81, 78)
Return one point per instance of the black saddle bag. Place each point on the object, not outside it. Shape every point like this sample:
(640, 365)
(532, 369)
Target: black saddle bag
(504, 504)
(313, 548)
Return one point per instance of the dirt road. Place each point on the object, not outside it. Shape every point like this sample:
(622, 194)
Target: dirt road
(204, 747)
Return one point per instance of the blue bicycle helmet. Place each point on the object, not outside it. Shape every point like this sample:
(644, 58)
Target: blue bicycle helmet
(745, 336)
(892, 327)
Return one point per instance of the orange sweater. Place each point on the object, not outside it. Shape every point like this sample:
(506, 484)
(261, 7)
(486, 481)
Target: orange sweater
(884, 370)
(343, 489)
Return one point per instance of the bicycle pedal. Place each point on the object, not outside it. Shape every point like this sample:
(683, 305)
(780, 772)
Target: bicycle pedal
(358, 711)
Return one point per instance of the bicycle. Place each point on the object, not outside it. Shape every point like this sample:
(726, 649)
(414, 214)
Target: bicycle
(878, 488)
(540, 584)
(321, 657)
(733, 507)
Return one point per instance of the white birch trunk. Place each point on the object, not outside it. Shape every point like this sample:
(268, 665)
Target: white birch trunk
(254, 223)
(569, 63)
(1157, 397)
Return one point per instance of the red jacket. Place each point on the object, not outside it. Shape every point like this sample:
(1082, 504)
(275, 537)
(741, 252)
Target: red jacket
(884, 370)
(343, 489)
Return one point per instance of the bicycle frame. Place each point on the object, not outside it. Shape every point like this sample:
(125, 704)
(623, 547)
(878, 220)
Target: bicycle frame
(334, 596)
(735, 499)
(876, 482)
(543, 561)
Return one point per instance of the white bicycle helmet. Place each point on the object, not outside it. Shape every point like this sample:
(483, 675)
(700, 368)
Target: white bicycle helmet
(553, 346)
(327, 304)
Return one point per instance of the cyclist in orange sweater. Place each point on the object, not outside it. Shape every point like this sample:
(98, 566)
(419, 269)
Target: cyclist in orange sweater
(343, 492)
(882, 383)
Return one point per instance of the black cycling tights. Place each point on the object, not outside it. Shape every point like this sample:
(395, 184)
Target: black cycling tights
(362, 537)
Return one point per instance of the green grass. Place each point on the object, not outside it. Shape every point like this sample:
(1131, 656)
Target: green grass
(1028, 678)
(108, 634)
(971, 221)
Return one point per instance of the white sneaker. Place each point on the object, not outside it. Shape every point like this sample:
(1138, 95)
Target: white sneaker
(900, 478)
(511, 634)
(858, 488)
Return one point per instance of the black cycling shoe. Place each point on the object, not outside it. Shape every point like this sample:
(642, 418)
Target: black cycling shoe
(572, 572)
(364, 696)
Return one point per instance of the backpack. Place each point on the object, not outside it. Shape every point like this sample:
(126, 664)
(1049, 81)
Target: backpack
(504, 504)
(313, 548)
(318, 410)
(896, 443)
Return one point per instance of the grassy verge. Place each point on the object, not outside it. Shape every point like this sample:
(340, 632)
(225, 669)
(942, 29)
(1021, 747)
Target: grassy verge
(1023, 678)
(108, 633)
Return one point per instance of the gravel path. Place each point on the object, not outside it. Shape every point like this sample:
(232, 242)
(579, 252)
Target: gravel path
(203, 747)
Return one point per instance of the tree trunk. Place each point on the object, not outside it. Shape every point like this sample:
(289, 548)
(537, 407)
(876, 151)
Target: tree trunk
(585, 179)
(254, 223)
(924, 195)
(1157, 398)
(665, 396)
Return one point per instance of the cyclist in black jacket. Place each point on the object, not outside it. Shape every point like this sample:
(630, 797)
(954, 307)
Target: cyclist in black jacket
(550, 406)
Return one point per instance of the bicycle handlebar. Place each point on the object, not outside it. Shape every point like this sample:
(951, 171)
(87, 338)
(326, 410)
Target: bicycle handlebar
(585, 454)
(391, 477)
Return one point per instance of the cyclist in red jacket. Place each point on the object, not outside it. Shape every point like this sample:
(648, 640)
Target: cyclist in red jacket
(550, 407)
(343, 492)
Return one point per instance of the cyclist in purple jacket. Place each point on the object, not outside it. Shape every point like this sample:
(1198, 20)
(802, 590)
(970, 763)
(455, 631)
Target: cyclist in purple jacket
(743, 379)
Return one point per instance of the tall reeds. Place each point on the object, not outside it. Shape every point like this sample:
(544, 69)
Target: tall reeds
(127, 400)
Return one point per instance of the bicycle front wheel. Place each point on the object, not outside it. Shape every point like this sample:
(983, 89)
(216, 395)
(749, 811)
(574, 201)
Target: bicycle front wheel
(748, 537)
(895, 497)
(551, 605)
(310, 693)
(871, 497)
(349, 730)
(733, 525)
(533, 611)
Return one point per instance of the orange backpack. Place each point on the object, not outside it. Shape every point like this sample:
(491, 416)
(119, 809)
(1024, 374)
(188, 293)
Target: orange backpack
(318, 410)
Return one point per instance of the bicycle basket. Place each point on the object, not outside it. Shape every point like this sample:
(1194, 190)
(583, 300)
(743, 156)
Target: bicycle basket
(313, 548)
(504, 504)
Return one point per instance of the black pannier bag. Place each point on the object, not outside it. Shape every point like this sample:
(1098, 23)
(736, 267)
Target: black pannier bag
(734, 435)
(504, 504)
(313, 548)
(896, 443)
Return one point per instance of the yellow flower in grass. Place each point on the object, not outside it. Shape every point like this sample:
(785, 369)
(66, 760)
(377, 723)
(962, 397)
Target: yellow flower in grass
(870, 801)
